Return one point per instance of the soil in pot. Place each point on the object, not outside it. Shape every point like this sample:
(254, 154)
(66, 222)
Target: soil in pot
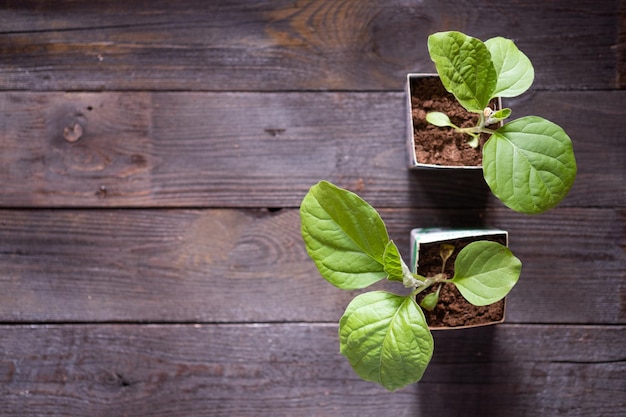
(453, 310)
(442, 146)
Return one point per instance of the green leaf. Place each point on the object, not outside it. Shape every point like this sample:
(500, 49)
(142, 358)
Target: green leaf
(529, 164)
(465, 68)
(439, 119)
(514, 69)
(485, 272)
(429, 302)
(502, 113)
(498, 116)
(344, 235)
(386, 339)
(395, 267)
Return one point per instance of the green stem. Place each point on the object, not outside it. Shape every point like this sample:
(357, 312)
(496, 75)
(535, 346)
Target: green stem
(475, 131)
(485, 130)
(437, 279)
(419, 290)
(469, 131)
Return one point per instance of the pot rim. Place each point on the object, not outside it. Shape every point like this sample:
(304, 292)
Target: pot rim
(413, 164)
(433, 235)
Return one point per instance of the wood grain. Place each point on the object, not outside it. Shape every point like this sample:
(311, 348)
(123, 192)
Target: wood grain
(296, 370)
(251, 265)
(152, 159)
(212, 149)
(284, 45)
(621, 47)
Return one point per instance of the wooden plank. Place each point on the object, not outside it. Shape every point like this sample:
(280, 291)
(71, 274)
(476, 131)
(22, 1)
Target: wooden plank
(295, 370)
(621, 46)
(251, 265)
(284, 45)
(264, 149)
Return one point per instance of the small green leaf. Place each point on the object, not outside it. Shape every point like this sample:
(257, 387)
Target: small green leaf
(473, 141)
(429, 302)
(344, 235)
(386, 339)
(396, 268)
(502, 113)
(465, 68)
(514, 69)
(485, 272)
(498, 116)
(439, 119)
(529, 164)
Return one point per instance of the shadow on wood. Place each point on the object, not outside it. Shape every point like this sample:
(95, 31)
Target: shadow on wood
(465, 189)
(465, 374)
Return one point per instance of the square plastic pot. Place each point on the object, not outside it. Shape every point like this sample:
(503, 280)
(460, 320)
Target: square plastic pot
(421, 238)
(411, 87)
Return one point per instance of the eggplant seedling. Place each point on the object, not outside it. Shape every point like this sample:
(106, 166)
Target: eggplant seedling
(384, 335)
(430, 301)
(528, 163)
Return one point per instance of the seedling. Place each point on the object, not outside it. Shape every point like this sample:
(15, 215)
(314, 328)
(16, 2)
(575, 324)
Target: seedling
(383, 335)
(429, 302)
(528, 163)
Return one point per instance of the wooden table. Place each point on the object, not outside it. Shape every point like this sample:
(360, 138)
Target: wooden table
(153, 156)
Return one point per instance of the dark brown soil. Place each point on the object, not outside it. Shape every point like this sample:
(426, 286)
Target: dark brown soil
(441, 145)
(453, 310)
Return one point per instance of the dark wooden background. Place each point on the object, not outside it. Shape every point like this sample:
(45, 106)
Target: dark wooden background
(153, 155)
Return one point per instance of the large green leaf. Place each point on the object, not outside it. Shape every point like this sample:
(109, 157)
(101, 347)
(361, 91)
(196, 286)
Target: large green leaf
(485, 272)
(464, 67)
(514, 69)
(529, 164)
(344, 235)
(386, 339)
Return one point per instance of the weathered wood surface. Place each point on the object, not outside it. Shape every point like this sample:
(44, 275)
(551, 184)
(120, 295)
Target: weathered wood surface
(251, 265)
(620, 47)
(285, 45)
(295, 370)
(147, 147)
(212, 149)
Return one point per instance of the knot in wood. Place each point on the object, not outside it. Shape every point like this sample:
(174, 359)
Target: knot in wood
(73, 133)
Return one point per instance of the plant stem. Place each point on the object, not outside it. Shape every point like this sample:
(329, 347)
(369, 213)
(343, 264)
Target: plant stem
(475, 131)
(439, 278)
